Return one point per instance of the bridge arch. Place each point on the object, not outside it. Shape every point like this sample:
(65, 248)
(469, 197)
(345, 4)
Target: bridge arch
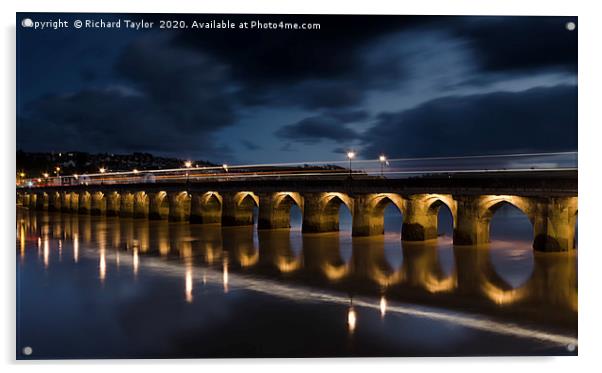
(206, 208)
(492, 204)
(42, 201)
(435, 204)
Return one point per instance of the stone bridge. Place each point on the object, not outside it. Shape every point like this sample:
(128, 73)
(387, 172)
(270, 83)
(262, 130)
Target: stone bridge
(548, 199)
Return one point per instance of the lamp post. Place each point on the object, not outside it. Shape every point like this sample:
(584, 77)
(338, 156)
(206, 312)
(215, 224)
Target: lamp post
(102, 171)
(187, 164)
(382, 160)
(57, 171)
(350, 155)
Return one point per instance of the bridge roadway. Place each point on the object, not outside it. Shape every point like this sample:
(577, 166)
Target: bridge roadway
(548, 199)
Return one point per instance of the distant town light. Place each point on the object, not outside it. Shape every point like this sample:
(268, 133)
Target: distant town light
(45, 174)
(75, 176)
(22, 174)
(382, 158)
(225, 166)
(57, 168)
(102, 170)
(188, 164)
(135, 171)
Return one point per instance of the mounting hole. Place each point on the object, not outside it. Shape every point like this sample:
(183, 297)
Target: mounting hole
(571, 26)
(27, 350)
(27, 22)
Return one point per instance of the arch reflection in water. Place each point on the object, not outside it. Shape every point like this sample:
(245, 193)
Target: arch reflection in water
(431, 273)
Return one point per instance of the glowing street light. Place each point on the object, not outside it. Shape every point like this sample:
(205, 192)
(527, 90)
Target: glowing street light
(188, 164)
(45, 174)
(135, 171)
(350, 155)
(383, 160)
(57, 169)
(102, 170)
(225, 167)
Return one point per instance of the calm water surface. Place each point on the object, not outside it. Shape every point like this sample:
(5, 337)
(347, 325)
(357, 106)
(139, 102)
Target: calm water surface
(99, 287)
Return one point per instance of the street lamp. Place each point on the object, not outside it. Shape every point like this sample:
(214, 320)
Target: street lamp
(187, 164)
(57, 169)
(225, 167)
(382, 160)
(350, 155)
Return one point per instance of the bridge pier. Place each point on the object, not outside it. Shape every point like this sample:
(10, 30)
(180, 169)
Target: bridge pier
(179, 206)
(275, 209)
(113, 204)
(54, 201)
(71, 202)
(141, 205)
(159, 206)
(420, 221)
(554, 225)
(237, 208)
(98, 204)
(126, 208)
(369, 212)
(206, 208)
(31, 201)
(85, 203)
(321, 211)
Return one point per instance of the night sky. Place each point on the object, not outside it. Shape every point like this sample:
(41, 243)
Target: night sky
(405, 86)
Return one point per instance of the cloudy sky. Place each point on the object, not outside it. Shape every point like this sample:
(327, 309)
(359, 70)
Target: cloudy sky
(406, 86)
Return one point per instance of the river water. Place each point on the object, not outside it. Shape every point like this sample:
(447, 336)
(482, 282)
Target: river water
(103, 287)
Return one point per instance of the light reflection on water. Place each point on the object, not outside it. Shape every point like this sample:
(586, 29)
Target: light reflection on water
(505, 281)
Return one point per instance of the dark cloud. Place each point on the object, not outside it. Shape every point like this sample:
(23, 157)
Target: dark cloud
(173, 92)
(520, 43)
(536, 120)
(328, 126)
(170, 100)
(250, 145)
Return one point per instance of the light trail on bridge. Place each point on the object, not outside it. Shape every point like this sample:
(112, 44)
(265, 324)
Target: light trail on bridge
(372, 168)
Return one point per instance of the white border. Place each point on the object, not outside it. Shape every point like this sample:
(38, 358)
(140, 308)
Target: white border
(589, 141)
